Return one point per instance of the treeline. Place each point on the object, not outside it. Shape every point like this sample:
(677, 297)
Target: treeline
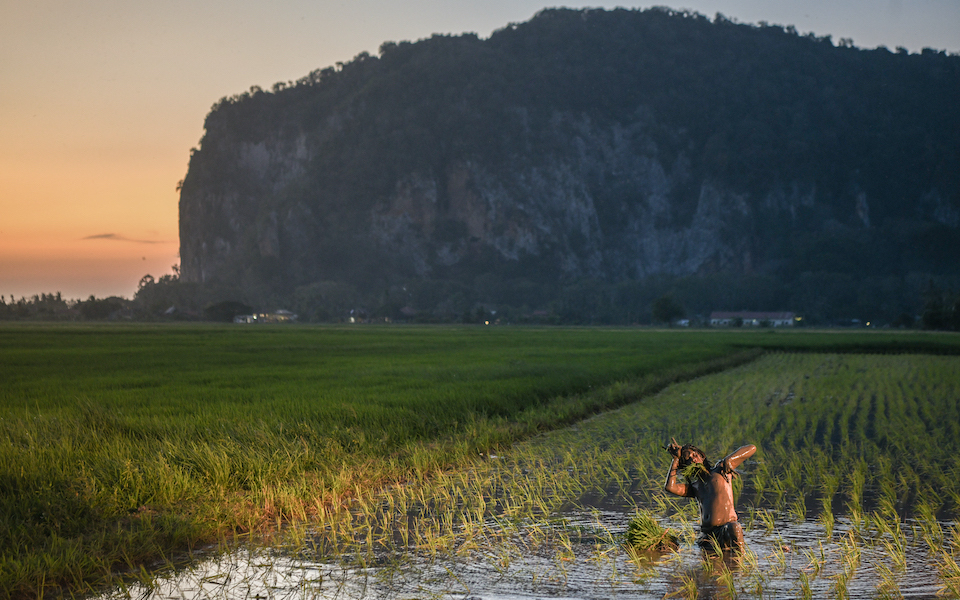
(53, 307)
(822, 299)
(941, 310)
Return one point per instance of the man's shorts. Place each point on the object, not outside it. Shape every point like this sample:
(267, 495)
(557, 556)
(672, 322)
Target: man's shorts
(728, 536)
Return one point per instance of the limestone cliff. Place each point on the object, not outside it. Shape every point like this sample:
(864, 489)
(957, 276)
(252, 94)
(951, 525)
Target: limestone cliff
(583, 145)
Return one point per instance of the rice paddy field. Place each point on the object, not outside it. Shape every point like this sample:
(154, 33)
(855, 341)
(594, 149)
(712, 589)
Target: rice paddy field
(450, 462)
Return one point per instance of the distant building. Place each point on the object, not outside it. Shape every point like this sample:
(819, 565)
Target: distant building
(279, 316)
(753, 319)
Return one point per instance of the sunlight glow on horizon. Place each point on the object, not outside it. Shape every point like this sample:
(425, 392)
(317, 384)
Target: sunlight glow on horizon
(53, 207)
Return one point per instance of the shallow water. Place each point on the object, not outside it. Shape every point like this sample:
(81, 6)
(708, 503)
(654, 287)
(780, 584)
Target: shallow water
(531, 561)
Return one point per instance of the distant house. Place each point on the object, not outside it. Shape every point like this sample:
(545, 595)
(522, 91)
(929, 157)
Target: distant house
(279, 316)
(753, 319)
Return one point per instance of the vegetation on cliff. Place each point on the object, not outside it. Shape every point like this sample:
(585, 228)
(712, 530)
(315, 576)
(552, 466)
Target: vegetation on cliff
(836, 172)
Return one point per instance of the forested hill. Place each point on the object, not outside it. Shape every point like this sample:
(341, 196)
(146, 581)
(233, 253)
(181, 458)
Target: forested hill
(581, 164)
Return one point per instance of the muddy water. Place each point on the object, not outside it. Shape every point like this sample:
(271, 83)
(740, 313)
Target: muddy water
(529, 561)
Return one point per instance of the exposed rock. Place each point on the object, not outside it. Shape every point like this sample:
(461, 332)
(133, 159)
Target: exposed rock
(421, 163)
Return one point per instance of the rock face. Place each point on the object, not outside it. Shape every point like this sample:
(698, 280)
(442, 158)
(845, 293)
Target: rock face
(674, 146)
(554, 211)
(608, 209)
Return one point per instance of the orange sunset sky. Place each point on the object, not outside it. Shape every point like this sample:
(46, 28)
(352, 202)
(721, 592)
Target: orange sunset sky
(101, 101)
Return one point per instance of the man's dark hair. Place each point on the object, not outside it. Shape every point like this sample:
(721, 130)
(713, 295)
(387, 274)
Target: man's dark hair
(693, 448)
(692, 474)
(706, 462)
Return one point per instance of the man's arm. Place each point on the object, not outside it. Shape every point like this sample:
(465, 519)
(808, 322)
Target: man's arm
(671, 485)
(735, 458)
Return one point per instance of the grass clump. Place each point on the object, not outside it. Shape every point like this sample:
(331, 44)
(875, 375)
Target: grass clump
(695, 471)
(645, 534)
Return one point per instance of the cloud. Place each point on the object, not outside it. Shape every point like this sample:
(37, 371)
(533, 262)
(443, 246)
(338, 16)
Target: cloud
(119, 238)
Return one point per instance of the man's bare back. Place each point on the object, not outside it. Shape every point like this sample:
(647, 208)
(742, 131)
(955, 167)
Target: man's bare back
(713, 489)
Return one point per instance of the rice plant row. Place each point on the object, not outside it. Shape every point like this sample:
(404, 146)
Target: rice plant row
(841, 450)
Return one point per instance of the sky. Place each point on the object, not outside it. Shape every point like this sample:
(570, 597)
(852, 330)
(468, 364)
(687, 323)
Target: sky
(102, 100)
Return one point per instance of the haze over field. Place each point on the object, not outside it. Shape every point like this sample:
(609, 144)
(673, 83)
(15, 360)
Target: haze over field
(100, 104)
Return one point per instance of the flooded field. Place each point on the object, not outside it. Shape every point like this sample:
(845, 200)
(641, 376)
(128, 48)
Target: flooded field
(795, 561)
(845, 499)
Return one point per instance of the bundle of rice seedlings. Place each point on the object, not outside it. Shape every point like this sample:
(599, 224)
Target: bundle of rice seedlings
(644, 533)
(695, 471)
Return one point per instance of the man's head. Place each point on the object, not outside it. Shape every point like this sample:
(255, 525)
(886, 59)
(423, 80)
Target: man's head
(690, 454)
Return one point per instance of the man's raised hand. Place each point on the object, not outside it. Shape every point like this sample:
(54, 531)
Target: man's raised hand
(673, 448)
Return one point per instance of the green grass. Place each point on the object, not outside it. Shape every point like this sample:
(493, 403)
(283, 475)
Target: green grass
(121, 444)
(644, 534)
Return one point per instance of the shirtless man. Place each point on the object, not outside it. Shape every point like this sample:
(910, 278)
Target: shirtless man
(713, 490)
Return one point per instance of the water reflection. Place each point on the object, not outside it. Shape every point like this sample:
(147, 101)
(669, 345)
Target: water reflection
(590, 561)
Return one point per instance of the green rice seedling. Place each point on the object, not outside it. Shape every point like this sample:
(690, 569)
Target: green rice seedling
(887, 588)
(849, 552)
(840, 584)
(829, 482)
(687, 588)
(663, 504)
(857, 478)
(826, 521)
(714, 551)
(645, 533)
(755, 583)
(644, 567)
(737, 486)
(566, 552)
(949, 571)
(779, 489)
(895, 549)
(768, 520)
(806, 592)
(952, 539)
(816, 560)
(726, 579)
(758, 480)
(694, 471)
(931, 531)
(798, 510)
(779, 557)
(793, 475)
(954, 496)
